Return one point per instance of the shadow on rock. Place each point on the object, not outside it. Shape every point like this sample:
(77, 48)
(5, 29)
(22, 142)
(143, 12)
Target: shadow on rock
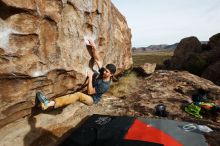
(62, 140)
(38, 136)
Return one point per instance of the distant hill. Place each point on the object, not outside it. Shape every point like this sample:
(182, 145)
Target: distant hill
(204, 42)
(161, 47)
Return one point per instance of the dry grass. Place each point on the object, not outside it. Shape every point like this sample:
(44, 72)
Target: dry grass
(151, 57)
(125, 85)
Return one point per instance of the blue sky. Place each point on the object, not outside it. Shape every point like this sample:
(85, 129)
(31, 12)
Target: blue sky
(168, 21)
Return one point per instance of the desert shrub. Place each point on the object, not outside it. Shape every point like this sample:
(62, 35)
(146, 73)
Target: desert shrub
(125, 85)
(151, 57)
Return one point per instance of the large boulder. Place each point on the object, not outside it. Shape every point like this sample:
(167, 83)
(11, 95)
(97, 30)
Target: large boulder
(186, 48)
(211, 50)
(197, 58)
(214, 42)
(212, 72)
(43, 48)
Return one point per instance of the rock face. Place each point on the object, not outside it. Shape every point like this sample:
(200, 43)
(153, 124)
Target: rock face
(185, 49)
(197, 58)
(42, 47)
(212, 72)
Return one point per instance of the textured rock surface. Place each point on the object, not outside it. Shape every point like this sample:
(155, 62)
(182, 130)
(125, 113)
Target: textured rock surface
(213, 72)
(145, 70)
(42, 48)
(197, 58)
(167, 87)
(184, 50)
(149, 68)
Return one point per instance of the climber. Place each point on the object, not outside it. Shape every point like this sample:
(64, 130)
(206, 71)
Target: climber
(95, 87)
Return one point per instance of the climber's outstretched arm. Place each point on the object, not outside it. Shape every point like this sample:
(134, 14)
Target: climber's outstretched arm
(95, 54)
(90, 88)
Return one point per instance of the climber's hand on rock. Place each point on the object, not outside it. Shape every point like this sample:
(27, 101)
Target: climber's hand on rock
(90, 73)
(92, 43)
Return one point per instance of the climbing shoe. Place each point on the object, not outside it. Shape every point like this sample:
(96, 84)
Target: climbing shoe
(43, 100)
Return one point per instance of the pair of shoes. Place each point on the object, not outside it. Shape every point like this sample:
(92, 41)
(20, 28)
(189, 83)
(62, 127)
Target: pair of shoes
(43, 100)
